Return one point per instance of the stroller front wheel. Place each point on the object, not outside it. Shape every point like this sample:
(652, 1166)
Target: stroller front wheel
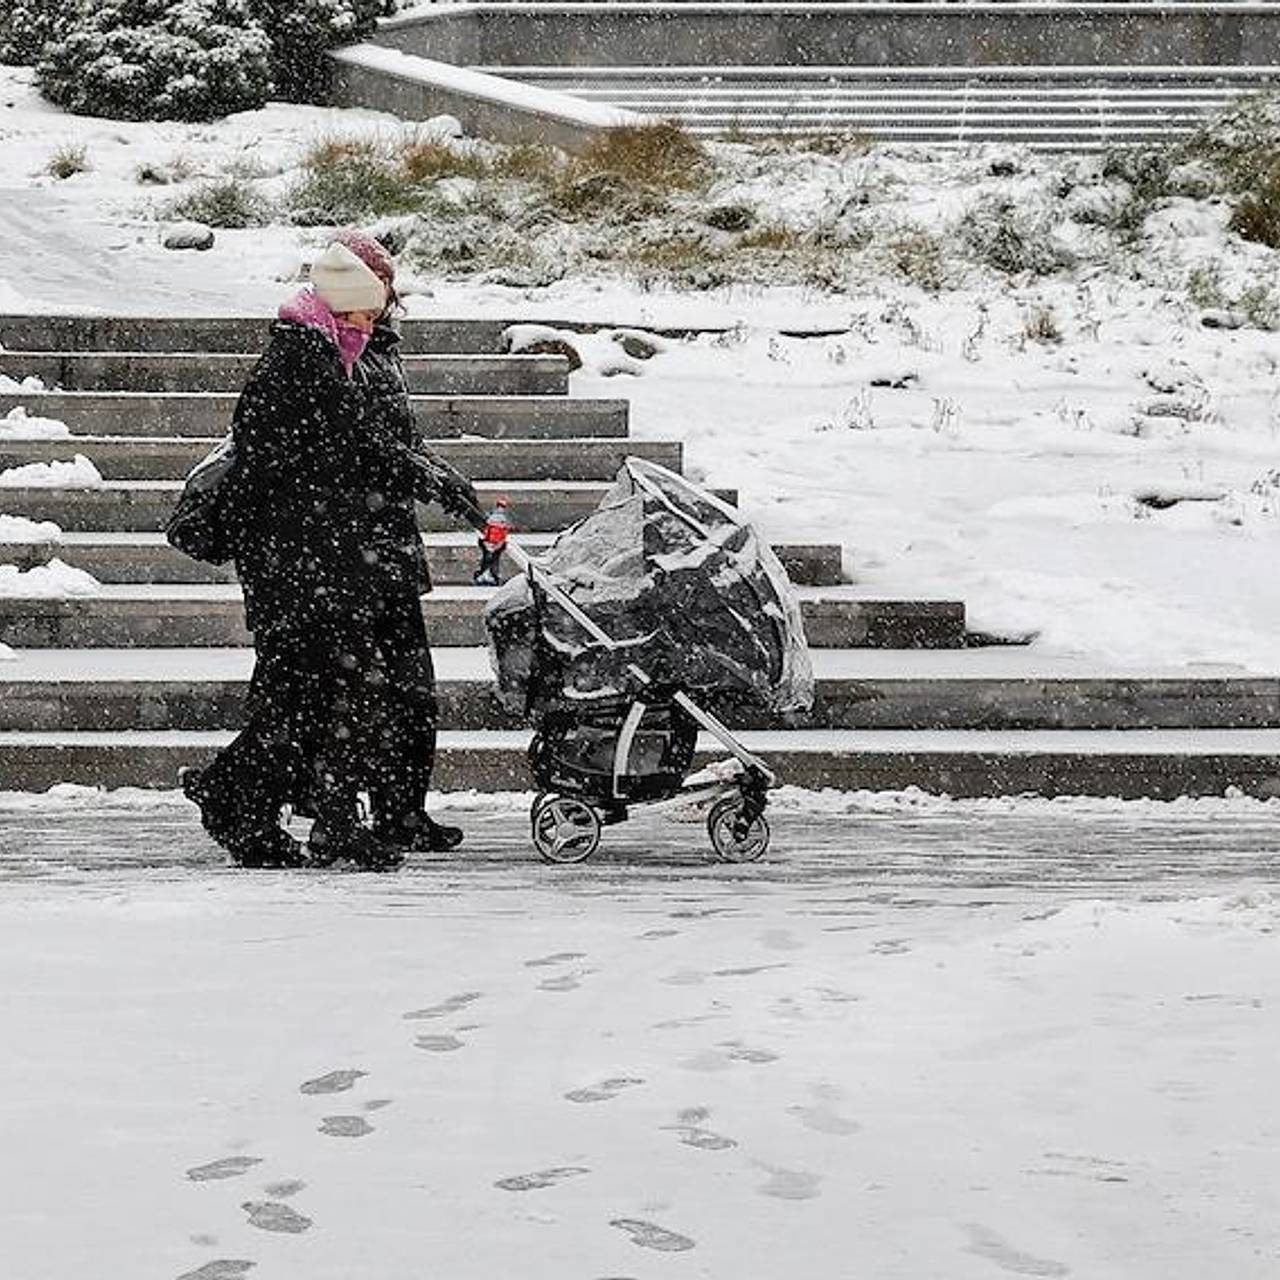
(737, 836)
(564, 829)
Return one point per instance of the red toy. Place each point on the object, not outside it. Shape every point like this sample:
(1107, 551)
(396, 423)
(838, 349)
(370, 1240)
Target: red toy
(493, 540)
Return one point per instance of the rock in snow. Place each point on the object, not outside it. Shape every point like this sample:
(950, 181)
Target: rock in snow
(187, 235)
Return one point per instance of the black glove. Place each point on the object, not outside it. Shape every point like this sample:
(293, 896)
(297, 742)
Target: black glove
(447, 486)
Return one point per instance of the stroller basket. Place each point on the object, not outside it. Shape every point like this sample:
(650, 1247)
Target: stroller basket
(609, 753)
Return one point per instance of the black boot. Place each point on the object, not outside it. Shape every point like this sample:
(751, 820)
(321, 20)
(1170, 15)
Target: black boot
(250, 845)
(426, 837)
(353, 843)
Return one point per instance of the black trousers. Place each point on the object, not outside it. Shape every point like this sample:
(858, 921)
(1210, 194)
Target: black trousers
(341, 700)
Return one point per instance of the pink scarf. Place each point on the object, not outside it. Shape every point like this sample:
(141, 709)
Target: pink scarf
(306, 308)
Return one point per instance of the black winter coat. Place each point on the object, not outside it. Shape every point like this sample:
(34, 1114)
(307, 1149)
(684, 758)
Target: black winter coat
(329, 469)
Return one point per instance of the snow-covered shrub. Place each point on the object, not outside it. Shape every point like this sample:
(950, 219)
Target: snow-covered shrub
(352, 179)
(231, 202)
(67, 161)
(917, 257)
(302, 31)
(159, 60)
(1011, 239)
(1241, 142)
(26, 26)
(1257, 216)
(633, 171)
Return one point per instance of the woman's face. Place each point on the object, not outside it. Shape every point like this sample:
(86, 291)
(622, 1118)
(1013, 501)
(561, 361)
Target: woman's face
(362, 320)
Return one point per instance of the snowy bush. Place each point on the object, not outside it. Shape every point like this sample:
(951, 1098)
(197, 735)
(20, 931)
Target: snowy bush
(26, 26)
(302, 31)
(1011, 239)
(230, 203)
(160, 60)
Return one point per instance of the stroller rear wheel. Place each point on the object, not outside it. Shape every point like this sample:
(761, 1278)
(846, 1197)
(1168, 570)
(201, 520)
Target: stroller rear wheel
(737, 835)
(564, 829)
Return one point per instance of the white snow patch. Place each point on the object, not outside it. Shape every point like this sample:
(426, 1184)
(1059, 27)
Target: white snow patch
(30, 385)
(20, 529)
(18, 424)
(80, 473)
(54, 580)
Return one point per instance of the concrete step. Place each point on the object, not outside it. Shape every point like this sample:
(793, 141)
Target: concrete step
(458, 375)
(170, 458)
(139, 558)
(1044, 107)
(1154, 764)
(1115, 77)
(221, 333)
(205, 616)
(126, 413)
(973, 689)
(249, 334)
(121, 506)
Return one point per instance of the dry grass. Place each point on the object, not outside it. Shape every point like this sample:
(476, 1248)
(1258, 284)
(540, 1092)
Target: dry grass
(776, 236)
(663, 155)
(67, 161)
(1041, 326)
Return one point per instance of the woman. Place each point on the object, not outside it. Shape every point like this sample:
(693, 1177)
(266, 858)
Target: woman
(332, 566)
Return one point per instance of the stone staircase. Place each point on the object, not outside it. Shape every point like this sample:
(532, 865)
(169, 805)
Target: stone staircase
(121, 687)
(1044, 107)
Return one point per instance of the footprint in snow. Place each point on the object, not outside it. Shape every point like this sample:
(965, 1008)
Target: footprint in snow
(268, 1215)
(438, 1044)
(565, 981)
(790, 1184)
(987, 1244)
(652, 935)
(736, 1051)
(283, 1190)
(684, 978)
(220, 1269)
(649, 1235)
(442, 1010)
(333, 1082)
(541, 1179)
(891, 947)
(823, 1118)
(231, 1167)
(376, 1104)
(345, 1127)
(605, 1091)
(780, 940)
(559, 957)
(692, 1134)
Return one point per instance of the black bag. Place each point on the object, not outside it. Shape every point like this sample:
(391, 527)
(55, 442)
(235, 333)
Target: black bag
(201, 525)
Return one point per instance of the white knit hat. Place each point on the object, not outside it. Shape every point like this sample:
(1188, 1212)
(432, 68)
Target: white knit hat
(344, 283)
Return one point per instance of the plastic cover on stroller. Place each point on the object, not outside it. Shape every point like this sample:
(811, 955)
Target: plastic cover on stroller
(687, 591)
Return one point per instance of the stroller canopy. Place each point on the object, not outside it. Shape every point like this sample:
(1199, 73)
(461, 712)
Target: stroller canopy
(686, 590)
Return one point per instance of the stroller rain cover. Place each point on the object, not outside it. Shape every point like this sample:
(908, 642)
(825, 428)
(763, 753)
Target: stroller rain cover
(686, 590)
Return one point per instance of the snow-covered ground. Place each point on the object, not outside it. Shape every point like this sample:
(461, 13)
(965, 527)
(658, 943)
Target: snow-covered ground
(922, 1039)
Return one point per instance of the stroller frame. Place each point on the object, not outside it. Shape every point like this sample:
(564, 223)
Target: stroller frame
(566, 828)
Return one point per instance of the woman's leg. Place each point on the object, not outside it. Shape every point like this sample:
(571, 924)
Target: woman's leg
(403, 721)
(242, 791)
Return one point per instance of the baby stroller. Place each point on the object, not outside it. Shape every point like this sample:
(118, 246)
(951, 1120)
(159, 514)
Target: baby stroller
(661, 594)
